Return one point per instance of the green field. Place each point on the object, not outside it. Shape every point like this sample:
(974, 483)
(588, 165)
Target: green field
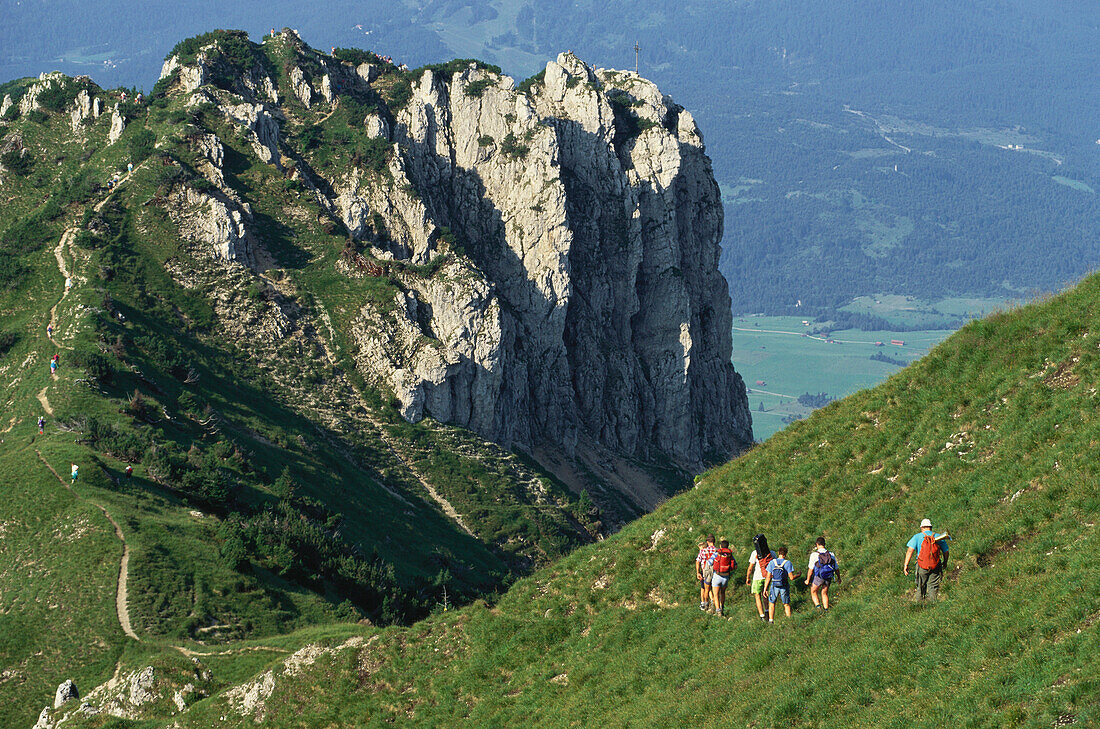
(773, 350)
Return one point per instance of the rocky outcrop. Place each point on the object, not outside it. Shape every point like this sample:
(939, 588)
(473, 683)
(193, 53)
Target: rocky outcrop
(215, 221)
(594, 310)
(29, 101)
(118, 125)
(261, 128)
(190, 76)
(556, 250)
(65, 692)
(84, 107)
(301, 87)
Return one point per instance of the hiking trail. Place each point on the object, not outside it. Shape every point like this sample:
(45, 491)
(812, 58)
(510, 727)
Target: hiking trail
(439, 498)
(121, 597)
(44, 400)
(59, 254)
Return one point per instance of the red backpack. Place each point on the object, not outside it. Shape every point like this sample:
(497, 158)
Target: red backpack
(929, 556)
(763, 563)
(724, 562)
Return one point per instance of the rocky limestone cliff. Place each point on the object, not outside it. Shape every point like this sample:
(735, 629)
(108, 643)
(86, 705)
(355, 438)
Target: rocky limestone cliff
(555, 249)
(595, 309)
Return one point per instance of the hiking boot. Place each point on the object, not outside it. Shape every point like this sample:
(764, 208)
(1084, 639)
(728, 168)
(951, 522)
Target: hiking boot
(763, 619)
(704, 606)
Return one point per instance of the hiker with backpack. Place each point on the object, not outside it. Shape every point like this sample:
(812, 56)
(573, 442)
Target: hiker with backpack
(931, 550)
(757, 571)
(724, 565)
(778, 583)
(821, 571)
(704, 570)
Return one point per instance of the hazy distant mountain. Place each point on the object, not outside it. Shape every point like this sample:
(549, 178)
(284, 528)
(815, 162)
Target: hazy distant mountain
(816, 210)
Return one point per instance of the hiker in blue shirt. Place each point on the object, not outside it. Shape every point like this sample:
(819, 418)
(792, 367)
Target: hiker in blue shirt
(931, 550)
(777, 583)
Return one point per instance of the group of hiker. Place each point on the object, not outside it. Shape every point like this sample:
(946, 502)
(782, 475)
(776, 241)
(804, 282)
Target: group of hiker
(770, 574)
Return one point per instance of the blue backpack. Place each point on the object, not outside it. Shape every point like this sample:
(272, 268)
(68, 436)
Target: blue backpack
(826, 566)
(778, 571)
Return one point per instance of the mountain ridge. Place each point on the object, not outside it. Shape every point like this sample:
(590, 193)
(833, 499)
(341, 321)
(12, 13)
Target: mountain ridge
(233, 269)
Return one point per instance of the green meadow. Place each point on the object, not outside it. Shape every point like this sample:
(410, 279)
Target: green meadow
(781, 352)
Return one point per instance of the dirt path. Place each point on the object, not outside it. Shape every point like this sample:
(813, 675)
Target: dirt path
(121, 601)
(101, 203)
(230, 652)
(335, 106)
(439, 498)
(59, 254)
(45, 401)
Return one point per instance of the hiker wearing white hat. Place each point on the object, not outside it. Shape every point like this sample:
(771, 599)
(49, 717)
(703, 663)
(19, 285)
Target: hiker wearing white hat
(931, 550)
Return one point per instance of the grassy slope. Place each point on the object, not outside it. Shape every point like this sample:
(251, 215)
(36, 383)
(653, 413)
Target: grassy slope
(992, 435)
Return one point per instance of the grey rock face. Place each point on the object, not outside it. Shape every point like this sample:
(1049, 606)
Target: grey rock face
(557, 254)
(191, 76)
(29, 102)
(262, 128)
(368, 72)
(301, 87)
(141, 686)
(65, 692)
(83, 108)
(118, 124)
(214, 220)
(593, 309)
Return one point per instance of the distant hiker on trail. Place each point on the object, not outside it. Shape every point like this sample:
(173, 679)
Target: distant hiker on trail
(53, 367)
(724, 565)
(75, 472)
(68, 283)
(129, 471)
(704, 570)
(759, 559)
(778, 583)
(129, 167)
(49, 330)
(41, 425)
(821, 571)
(931, 550)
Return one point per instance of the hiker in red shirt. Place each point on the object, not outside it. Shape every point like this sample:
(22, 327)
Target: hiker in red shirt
(724, 565)
(704, 570)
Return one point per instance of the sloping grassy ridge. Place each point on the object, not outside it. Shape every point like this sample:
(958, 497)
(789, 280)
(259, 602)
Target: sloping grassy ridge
(993, 436)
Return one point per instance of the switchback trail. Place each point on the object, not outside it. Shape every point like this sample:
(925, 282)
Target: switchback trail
(120, 594)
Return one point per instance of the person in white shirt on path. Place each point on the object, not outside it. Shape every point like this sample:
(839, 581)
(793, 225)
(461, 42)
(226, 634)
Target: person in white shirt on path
(821, 571)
